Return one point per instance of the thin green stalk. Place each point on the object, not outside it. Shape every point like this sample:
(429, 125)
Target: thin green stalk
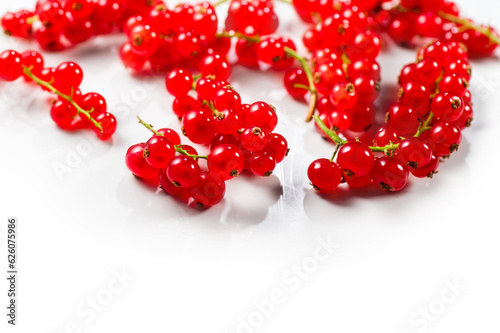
(310, 79)
(69, 98)
(178, 148)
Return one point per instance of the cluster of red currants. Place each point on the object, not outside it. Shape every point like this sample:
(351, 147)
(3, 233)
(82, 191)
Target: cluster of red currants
(70, 110)
(411, 20)
(164, 39)
(425, 124)
(175, 167)
(59, 24)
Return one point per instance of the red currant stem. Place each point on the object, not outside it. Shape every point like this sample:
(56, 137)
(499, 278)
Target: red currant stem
(148, 126)
(312, 88)
(298, 85)
(345, 62)
(286, 1)
(340, 142)
(331, 134)
(335, 153)
(385, 149)
(239, 35)
(178, 148)
(470, 25)
(425, 125)
(220, 2)
(69, 98)
(195, 81)
(215, 112)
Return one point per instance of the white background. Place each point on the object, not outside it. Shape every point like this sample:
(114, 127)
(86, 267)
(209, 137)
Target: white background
(192, 271)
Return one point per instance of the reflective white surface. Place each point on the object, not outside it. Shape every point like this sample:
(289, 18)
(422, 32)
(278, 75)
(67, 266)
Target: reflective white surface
(100, 252)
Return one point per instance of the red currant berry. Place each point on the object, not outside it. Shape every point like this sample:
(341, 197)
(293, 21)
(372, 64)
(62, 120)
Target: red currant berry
(414, 152)
(179, 82)
(134, 159)
(10, 65)
(447, 106)
(209, 191)
(343, 95)
(226, 161)
(355, 159)
(183, 171)
(159, 151)
(262, 163)
(389, 174)
(324, 174)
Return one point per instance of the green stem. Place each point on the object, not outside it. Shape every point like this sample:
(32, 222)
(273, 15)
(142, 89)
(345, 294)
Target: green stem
(220, 2)
(239, 35)
(69, 98)
(385, 149)
(289, 2)
(331, 134)
(310, 79)
(425, 125)
(494, 38)
(178, 148)
(335, 153)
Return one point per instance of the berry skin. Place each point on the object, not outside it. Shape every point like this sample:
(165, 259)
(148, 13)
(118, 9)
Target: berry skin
(10, 65)
(199, 126)
(108, 124)
(355, 159)
(343, 95)
(33, 60)
(296, 76)
(402, 119)
(261, 115)
(445, 138)
(262, 163)
(137, 164)
(227, 98)
(209, 191)
(159, 151)
(171, 135)
(447, 106)
(183, 171)
(385, 136)
(206, 89)
(65, 115)
(181, 194)
(414, 153)
(389, 174)
(179, 82)
(226, 161)
(254, 138)
(277, 146)
(68, 75)
(428, 170)
(324, 175)
(216, 65)
(339, 120)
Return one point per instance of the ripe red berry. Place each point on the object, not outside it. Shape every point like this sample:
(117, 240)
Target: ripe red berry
(183, 171)
(447, 106)
(355, 159)
(179, 82)
(324, 174)
(136, 163)
(389, 174)
(414, 153)
(262, 163)
(209, 191)
(226, 161)
(10, 65)
(159, 151)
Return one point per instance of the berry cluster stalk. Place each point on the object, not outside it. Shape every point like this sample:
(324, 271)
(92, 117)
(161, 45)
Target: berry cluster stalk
(178, 148)
(69, 98)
